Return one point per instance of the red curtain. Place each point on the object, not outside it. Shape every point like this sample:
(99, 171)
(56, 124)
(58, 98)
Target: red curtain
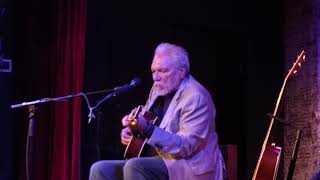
(67, 69)
(50, 37)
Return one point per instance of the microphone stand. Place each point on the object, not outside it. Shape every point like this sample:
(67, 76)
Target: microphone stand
(30, 138)
(32, 112)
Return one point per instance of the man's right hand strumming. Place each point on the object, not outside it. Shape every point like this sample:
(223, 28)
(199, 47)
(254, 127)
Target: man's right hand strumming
(126, 133)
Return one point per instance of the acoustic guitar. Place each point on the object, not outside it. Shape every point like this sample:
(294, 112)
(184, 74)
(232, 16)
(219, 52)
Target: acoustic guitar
(268, 162)
(137, 141)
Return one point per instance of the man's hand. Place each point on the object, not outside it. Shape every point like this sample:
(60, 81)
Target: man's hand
(126, 135)
(125, 120)
(139, 124)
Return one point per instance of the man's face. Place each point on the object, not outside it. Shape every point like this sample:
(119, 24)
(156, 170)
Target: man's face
(167, 76)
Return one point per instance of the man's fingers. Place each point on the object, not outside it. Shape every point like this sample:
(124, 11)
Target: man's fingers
(125, 120)
(126, 132)
(132, 113)
(125, 141)
(126, 135)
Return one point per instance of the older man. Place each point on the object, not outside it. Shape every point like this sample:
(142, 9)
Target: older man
(182, 144)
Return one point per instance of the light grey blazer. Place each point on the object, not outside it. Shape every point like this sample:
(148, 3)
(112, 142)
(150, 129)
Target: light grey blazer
(186, 138)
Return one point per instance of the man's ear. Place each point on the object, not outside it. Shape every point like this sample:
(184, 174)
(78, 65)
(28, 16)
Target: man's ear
(183, 73)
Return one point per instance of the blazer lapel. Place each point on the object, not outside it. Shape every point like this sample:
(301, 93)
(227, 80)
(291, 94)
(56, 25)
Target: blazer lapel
(172, 106)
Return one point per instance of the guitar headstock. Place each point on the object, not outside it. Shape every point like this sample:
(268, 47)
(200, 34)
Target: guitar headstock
(297, 64)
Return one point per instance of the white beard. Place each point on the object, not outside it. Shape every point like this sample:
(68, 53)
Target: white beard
(160, 91)
(164, 90)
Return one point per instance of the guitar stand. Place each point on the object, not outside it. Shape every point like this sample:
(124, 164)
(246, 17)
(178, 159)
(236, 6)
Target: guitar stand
(294, 155)
(295, 147)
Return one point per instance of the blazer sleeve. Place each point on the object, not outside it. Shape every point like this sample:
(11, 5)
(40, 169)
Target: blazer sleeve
(195, 116)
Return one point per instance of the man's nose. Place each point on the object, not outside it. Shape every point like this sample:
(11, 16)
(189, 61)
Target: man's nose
(156, 76)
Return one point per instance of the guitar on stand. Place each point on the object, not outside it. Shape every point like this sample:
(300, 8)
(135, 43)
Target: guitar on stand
(268, 162)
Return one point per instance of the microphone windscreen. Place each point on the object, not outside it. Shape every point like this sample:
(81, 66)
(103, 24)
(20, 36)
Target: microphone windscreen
(136, 81)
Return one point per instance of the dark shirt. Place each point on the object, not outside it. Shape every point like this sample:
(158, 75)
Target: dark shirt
(159, 108)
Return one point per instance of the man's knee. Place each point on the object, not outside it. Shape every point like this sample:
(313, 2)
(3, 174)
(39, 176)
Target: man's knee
(106, 169)
(96, 169)
(132, 164)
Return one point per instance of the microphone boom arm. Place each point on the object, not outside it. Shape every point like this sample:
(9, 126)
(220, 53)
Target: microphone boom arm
(115, 91)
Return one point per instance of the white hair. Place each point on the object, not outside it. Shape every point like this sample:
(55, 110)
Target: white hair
(177, 53)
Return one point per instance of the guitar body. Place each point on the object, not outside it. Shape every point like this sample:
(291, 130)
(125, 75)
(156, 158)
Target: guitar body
(268, 168)
(135, 147)
(137, 141)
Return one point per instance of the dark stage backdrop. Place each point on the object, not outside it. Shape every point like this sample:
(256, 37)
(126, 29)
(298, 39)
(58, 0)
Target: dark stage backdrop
(7, 124)
(235, 50)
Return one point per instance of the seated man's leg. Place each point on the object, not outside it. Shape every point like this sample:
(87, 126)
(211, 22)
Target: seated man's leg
(145, 168)
(107, 170)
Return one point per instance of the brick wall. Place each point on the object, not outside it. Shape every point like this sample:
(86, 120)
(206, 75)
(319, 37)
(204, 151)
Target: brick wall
(301, 98)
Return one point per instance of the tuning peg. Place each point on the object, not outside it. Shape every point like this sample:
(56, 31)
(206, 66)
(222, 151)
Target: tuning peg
(295, 71)
(299, 64)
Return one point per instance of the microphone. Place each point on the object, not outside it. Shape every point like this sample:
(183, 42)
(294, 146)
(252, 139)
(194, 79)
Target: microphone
(117, 91)
(133, 83)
